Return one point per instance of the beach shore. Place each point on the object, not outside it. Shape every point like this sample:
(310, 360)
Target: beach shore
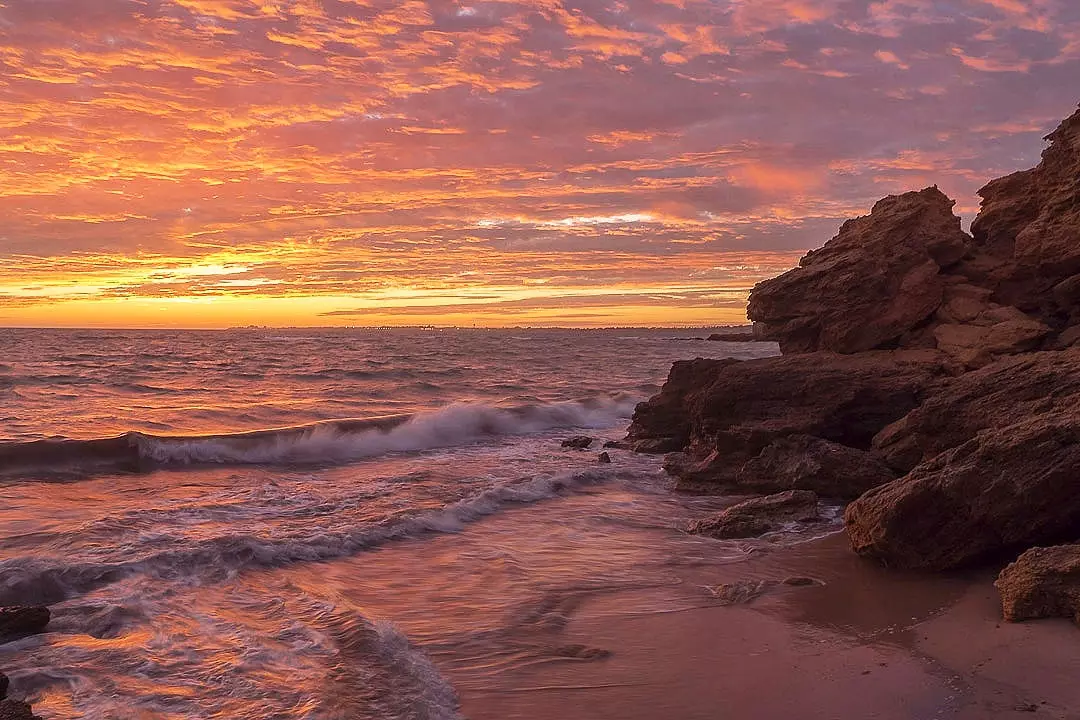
(866, 643)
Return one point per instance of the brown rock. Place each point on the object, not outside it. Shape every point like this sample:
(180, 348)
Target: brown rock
(1004, 489)
(16, 710)
(804, 462)
(1025, 237)
(725, 413)
(4, 682)
(760, 515)
(994, 397)
(992, 333)
(1043, 582)
(19, 620)
(579, 442)
(877, 280)
(604, 459)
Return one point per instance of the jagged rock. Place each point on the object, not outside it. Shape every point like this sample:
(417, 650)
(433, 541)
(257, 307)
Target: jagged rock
(1003, 489)
(19, 620)
(878, 279)
(1043, 582)
(4, 682)
(724, 413)
(803, 462)
(16, 710)
(992, 398)
(604, 459)
(579, 442)
(760, 515)
(1025, 237)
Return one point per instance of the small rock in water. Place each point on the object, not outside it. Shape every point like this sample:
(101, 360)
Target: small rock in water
(800, 581)
(741, 592)
(579, 442)
(3, 685)
(616, 444)
(20, 620)
(16, 710)
(604, 458)
(582, 652)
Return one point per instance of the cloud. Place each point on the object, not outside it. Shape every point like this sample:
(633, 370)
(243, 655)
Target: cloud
(337, 149)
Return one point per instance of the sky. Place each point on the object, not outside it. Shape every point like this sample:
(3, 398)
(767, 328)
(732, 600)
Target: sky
(203, 163)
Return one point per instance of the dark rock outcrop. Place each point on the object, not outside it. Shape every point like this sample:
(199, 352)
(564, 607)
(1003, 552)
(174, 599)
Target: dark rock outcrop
(19, 620)
(993, 398)
(1025, 247)
(16, 710)
(724, 413)
(1043, 582)
(578, 442)
(879, 279)
(760, 515)
(804, 462)
(604, 458)
(1002, 490)
(3, 685)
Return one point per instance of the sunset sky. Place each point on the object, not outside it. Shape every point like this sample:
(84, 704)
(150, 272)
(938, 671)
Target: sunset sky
(538, 162)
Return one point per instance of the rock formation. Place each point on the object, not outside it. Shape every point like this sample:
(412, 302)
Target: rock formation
(760, 515)
(929, 373)
(1043, 582)
(726, 414)
(16, 710)
(871, 285)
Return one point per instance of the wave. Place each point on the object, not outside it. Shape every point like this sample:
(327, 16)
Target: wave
(36, 580)
(325, 442)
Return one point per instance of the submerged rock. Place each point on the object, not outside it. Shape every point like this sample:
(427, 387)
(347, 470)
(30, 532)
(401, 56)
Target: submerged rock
(19, 620)
(579, 442)
(877, 280)
(1043, 582)
(760, 515)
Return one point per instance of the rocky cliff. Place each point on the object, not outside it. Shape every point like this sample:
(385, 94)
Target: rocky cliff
(927, 374)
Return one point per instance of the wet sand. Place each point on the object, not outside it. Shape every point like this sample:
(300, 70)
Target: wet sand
(864, 644)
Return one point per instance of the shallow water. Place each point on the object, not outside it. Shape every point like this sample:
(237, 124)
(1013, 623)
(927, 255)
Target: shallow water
(406, 531)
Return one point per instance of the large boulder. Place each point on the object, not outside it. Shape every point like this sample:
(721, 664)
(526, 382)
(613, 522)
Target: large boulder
(724, 414)
(877, 280)
(1026, 246)
(1043, 582)
(760, 515)
(1004, 489)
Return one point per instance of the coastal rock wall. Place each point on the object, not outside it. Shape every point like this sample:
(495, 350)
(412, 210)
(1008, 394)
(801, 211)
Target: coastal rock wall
(929, 373)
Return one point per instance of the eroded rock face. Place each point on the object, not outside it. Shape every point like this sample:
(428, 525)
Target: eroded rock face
(1004, 489)
(1004, 393)
(724, 414)
(1026, 245)
(760, 515)
(877, 280)
(1043, 582)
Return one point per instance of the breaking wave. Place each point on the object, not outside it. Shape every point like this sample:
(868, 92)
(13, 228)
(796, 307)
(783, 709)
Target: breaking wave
(326, 442)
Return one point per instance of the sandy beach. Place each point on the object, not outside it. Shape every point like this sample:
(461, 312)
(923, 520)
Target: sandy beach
(865, 644)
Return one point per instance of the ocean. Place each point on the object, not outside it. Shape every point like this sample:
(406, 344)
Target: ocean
(266, 523)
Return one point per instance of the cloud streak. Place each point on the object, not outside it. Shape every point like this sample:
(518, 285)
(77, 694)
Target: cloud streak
(340, 159)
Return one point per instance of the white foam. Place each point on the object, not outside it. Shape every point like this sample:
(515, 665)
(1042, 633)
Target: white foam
(452, 426)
